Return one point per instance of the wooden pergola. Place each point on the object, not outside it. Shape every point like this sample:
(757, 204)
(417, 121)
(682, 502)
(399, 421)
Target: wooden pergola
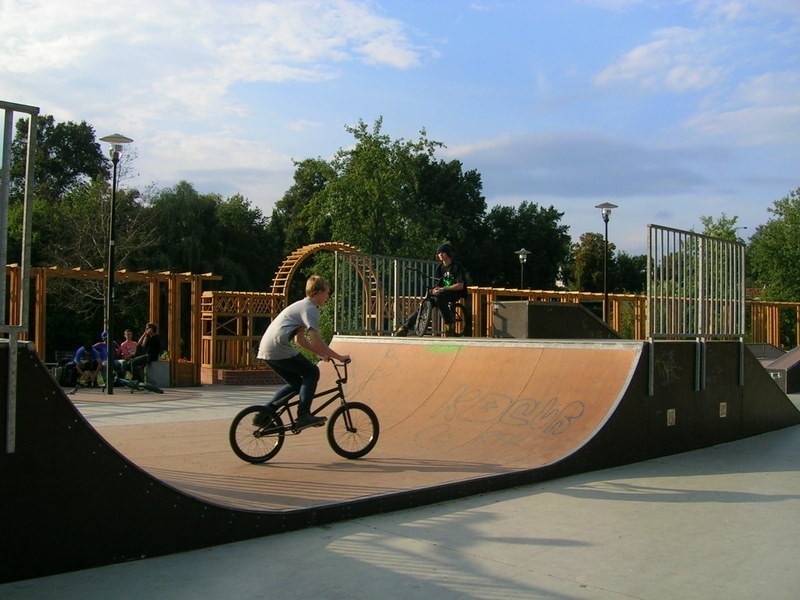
(188, 373)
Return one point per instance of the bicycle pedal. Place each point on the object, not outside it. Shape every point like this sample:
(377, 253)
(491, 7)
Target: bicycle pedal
(302, 426)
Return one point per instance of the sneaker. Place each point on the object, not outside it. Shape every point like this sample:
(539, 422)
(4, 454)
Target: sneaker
(309, 420)
(261, 419)
(401, 331)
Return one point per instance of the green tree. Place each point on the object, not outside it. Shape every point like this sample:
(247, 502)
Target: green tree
(246, 254)
(289, 226)
(724, 227)
(203, 233)
(189, 229)
(372, 202)
(630, 274)
(66, 154)
(586, 269)
(774, 251)
(507, 229)
(451, 204)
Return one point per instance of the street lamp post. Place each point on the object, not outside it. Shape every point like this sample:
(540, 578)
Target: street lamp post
(523, 258)
(605, 208)
(116, 142)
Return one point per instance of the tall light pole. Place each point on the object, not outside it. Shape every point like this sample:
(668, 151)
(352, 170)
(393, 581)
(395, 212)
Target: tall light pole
(523, 258)
(116, 141)
(605, 207)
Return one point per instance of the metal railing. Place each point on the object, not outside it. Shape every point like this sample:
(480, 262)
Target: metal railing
(12, 325)
(375, 293)
(695, 285)
(695, 290)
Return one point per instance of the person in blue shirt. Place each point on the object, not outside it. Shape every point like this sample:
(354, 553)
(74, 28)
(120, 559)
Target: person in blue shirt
(102, 349)
(87, 363)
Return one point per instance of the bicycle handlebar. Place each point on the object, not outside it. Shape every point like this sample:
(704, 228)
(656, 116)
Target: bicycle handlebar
(343, 365)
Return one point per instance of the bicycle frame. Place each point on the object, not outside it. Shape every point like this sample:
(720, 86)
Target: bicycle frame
(337, 391)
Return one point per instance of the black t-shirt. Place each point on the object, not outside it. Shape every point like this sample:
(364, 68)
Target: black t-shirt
(151, 347)
(452, 273)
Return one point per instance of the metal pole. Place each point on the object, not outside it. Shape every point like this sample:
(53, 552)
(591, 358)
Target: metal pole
(605, 272)
(110, 283)
(521, 273)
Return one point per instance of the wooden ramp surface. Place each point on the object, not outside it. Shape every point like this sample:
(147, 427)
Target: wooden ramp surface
(449, 411)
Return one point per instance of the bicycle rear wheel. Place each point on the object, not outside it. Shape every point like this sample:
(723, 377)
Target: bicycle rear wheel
(256, 434)
(353, 430)
(423, 318)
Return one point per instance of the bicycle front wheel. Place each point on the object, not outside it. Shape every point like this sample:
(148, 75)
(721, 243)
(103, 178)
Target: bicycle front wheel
(353, 430)
(256, 434)
(423, 318)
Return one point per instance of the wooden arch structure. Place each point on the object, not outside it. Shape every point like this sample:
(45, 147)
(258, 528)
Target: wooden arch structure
(285, 273)
(233, 322)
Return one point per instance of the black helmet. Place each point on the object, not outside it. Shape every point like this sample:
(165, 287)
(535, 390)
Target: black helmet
(445, 249)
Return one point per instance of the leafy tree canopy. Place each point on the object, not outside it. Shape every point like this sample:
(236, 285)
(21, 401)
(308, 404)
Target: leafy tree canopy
(774, 251)
(724, 227)
(537, 229)
(372, 202)
(586, 273)
(66, 154)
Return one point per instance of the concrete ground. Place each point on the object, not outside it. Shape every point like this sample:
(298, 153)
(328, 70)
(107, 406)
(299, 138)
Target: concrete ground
(722, 522)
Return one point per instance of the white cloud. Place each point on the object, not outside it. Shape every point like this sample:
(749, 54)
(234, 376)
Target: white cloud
(751, 125)
(678, 60)
(611, 4)
(730, 10)
(772, 89)
(764, 109)
(303, 125)
(186, 56)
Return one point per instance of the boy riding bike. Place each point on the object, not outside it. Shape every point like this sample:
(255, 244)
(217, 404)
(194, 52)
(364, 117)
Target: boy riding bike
(299, 322)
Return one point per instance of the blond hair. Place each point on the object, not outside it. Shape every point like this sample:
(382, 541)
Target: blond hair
(314, 285)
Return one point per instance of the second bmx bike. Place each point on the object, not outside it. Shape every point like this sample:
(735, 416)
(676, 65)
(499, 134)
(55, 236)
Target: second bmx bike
(257, 433)
(424, 321)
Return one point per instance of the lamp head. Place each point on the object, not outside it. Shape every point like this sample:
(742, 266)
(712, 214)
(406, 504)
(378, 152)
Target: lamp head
(523, 255)
(116, 141)
(605, 209)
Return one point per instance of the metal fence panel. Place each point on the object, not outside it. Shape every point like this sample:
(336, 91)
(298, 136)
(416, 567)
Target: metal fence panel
(374, 294)
(695, 285)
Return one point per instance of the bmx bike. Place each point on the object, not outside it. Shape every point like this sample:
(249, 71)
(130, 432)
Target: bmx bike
(134, 385)
(257, 433)
(425, 313)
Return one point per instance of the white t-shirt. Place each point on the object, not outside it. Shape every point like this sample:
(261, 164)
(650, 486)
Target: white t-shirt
(276, 343)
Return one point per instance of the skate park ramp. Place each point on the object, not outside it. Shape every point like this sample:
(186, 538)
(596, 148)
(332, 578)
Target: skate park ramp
(458, 417)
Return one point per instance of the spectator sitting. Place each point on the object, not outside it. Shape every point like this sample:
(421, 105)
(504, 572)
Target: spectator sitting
(128, 347)
(127, 350)
(102, 349)
(148, 350)
(87, 362)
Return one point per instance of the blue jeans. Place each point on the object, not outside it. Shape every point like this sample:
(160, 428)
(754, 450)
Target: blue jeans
(301, 377)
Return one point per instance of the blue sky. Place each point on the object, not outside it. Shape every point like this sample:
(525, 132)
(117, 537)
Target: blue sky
(672, 110)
